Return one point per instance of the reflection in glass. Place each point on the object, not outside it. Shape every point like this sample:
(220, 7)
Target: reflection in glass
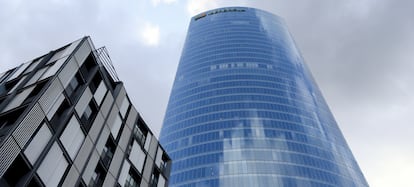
(244, 109)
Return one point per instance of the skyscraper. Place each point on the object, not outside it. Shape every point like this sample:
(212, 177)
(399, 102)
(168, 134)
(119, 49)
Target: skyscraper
(244, 109)
(66, 120)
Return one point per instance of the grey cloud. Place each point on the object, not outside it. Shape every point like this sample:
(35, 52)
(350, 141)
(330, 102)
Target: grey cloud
(31, 29)
(360, 53)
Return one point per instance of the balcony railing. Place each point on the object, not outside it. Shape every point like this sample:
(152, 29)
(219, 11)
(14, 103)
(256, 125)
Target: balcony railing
(104, 60)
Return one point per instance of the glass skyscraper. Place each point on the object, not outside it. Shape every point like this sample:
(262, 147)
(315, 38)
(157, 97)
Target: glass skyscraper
(245, 111)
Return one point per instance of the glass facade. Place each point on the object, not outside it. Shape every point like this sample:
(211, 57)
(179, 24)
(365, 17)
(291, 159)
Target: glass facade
(245, 111)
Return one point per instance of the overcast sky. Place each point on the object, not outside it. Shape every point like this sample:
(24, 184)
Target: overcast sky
(361, 53)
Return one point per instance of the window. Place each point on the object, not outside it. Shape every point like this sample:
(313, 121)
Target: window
(60, 116)
(116, 126)
(53, 69)
(100, 93)
(36, 76)
(124, 173)
(38, 144)
(133, 179)
(19, 71)
(95, 82)
(17, 85)
(3, 90)
(162, 160)
(2, 99)
(140, 132)
(73, 88)
(33, 65)
(124, 107)
(108, 152)
(89, 114)
(72, 137)
(98, 176)
(35, 92)
(7, 121)
(4, 75)
(15, 175)
(137, 156)
(88, 66)
(57, 55)
(81, 183)
(164, 163)
(18, 99)
(161, 181)
(10, 84)
(154, 178)
(35, 182)
(158, 158)
(53, 166)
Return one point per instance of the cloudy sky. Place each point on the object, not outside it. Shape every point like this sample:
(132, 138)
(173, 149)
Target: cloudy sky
(361, 53)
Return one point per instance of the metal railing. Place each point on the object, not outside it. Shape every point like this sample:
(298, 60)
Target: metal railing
(102, 56)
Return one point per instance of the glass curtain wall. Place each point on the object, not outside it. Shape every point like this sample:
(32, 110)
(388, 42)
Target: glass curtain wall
(244, 109)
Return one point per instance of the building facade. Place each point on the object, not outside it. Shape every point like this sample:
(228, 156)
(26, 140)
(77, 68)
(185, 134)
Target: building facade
(66, 120)
(244, 109)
